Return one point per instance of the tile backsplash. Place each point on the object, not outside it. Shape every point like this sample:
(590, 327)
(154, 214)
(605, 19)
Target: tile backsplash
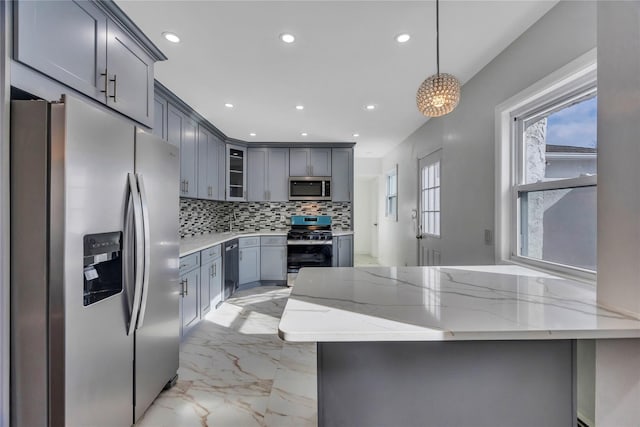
(206, 216)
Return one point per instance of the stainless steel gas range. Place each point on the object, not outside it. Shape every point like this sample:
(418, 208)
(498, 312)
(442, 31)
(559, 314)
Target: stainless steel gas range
(309, 243)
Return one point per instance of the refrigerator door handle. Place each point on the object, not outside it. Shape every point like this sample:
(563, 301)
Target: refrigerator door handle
(147, 250)
(139, 248)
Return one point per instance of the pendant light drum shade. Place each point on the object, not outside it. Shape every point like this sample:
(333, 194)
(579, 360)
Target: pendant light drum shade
(438, 95)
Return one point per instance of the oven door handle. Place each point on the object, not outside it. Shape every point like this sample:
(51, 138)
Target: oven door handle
(309, 242)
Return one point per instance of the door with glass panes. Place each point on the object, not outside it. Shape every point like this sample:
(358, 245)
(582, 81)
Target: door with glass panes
(429, 214)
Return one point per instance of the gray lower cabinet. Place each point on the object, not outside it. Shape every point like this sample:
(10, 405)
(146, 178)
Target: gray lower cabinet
(182, 132)
(79, 45)
(249, 264)
(273, 258)
(206, 275)
(342, 177)
(343, 251)
(189, 290)
(267, 174)
(211, 278)
(210, 186)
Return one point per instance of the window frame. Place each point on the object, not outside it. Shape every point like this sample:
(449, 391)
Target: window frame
(577, 80)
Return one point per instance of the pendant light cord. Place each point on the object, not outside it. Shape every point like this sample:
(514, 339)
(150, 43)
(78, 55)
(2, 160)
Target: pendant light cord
(438, 37)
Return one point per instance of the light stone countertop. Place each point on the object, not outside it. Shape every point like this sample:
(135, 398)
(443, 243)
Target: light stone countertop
(192, 244)
(445, 304)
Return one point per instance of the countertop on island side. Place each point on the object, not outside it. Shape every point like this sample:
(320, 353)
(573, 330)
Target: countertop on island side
(502, 302)
(192, 244)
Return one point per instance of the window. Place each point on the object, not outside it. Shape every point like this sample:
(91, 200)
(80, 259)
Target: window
(556, 191)
(547, 177)
(430, 198)
(392, 193)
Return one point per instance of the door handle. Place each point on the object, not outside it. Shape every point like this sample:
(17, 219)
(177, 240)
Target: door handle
(106, 83)
(186, 287)
(147, 249)
(115, 87)
(139, 249)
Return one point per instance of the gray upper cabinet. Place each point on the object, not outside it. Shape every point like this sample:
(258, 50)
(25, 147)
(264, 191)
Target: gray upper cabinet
(182, 132)
(257, 174)
(80, 44)
(268, 174)
(65, 40)
(130, 76)
(278, 174)
(209, 185)
(342, 178)
(160, 117)
(189, 157)
(236, 182)
(310, 162)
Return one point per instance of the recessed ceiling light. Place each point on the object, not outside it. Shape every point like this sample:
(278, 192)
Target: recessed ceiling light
(252, 134)
(304, 134)
(370, 107)
(172, 37)
(287, 38)
(355, 135)
(228, 105)
(299, 107)
(403, 38)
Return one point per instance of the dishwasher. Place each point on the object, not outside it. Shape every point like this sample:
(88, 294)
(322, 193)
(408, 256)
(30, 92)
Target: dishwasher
(231, 276)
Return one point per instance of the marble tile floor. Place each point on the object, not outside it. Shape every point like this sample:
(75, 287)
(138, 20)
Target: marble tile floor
(236, 372)
(365, 260)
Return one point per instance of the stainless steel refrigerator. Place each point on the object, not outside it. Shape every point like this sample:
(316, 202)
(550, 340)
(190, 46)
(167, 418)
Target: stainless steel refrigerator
(94, 266)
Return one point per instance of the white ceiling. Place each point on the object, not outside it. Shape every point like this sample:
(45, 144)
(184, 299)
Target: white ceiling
(344, 57)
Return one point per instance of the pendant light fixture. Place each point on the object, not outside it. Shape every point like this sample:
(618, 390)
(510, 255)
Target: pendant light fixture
(439, 94)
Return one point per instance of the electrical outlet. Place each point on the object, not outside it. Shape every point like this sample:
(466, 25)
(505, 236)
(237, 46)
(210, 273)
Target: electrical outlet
(488, 237)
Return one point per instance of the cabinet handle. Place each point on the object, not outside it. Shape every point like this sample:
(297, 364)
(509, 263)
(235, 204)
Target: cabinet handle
(182, 287)
(240, 255)
(106, 83)
(211, 271)
(186, 287)
(187, 184)
(115, 87)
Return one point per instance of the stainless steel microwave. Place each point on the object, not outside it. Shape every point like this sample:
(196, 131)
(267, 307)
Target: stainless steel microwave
(310, 188)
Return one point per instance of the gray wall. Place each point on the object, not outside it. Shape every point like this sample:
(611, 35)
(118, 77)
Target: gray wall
(618, 361)
(467, 137)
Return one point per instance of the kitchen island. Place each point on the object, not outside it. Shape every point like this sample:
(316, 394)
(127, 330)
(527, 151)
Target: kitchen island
(446, 346)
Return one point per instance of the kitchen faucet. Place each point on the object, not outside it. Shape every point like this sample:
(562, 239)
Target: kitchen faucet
(232, 219)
